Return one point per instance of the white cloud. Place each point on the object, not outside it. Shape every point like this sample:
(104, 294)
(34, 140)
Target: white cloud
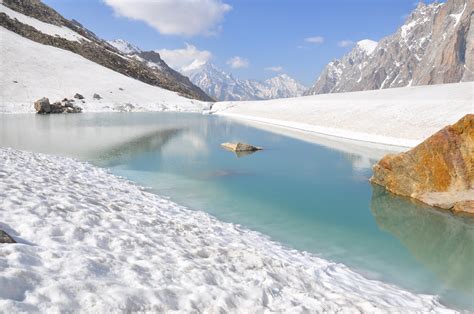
(314, 39)
(185, 58)
(345, 43)
(174, 17)
(238, 62)
(275, 69)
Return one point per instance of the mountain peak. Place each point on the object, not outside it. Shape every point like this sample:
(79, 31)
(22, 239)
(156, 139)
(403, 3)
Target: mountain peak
(124, 46)
(367, 45)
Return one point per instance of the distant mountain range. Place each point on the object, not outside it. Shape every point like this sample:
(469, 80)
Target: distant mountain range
(435, 45)
(217, 83)
(224, 86)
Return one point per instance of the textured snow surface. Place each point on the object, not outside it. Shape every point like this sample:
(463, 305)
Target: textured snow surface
(43, 27)
(397, 116)
(30, 71)
(94, 242)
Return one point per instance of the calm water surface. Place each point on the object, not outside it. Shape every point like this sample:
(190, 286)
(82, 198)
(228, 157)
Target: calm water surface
(307, 196)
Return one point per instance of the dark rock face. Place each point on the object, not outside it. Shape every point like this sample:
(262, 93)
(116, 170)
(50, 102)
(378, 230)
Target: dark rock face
(42, 106)
(435, 45)
(438, 172)
(5, 238)
(96, 50)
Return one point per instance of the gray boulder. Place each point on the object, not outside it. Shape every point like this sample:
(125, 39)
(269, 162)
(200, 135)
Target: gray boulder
(97, 96)
(57, 107)
(78, 96)
(42, 105)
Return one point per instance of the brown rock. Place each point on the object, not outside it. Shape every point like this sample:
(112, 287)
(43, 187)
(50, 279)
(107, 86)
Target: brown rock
(240, 147)
(42, 105)
(438, 172)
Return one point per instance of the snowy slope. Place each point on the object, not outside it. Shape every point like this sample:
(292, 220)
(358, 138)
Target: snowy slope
(224, 86)
(100, 244)
(397, 116)
(31, 71)
(36, 21)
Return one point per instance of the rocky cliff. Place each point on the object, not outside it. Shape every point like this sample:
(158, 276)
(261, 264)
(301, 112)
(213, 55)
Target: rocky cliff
(88, 45)
(435, 45)
(438, 172)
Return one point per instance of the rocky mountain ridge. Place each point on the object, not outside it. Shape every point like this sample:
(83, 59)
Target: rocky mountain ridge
(435, 45)
(37, 19)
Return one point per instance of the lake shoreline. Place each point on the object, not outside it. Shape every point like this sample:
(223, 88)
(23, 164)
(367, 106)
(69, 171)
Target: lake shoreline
(105, 238)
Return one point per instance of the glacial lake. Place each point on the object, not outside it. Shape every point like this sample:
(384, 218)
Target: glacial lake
(310, 195)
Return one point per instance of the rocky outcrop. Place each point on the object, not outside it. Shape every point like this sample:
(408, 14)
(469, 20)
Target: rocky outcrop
(95, 49)
(438, 172)
(435, 45)
(43, 106)
(5, 238)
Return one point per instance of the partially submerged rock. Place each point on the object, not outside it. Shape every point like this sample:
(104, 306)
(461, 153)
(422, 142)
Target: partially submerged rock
(43, 106)
(240, 147)
(438, 172)
(5, 238)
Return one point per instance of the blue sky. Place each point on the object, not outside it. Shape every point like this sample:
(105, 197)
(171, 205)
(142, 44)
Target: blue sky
(263, 34)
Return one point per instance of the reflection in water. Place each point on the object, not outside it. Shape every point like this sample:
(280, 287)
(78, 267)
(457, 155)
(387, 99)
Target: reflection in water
(442, 242)
(240, 154)
(149, 142)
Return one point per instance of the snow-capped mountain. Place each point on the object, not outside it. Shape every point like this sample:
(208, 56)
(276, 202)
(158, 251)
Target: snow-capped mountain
(224, 86)
(34, 20)
(124, 46)
(435, 45)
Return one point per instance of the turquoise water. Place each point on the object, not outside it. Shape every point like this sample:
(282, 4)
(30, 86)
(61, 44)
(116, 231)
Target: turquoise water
(307, 196)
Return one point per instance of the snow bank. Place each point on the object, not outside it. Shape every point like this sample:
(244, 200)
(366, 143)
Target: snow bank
(31, 70)
(396, 116)
(94, 242)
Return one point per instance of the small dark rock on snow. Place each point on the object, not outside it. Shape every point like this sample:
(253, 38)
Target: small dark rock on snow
(96, 96)
(78, 96)
(5, 238)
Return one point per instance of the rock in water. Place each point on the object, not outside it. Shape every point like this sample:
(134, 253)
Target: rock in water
(5, 238)
(42, 105)
(240, 147)
(438, 172)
